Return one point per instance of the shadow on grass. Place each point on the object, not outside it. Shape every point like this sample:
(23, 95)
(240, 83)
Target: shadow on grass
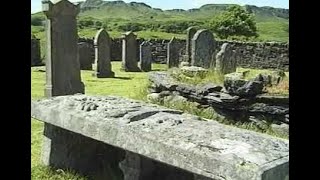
(123, 78)
(102, 79)
(158, 69)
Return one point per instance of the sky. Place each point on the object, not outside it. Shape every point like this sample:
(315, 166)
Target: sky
(188, 4)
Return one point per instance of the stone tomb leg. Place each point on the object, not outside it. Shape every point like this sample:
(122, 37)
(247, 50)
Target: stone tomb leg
(69, 151)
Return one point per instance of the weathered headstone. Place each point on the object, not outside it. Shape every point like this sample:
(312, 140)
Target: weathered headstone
(145, 56)
(35, 51)
(226, 60)
(173, 54)
(62, 69)
(102, 43)
(190, 33)
(62, 63)
(202, 49)
(129, 52)
(85, 56)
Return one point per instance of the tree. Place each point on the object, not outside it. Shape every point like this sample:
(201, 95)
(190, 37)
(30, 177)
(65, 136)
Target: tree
(234, 22)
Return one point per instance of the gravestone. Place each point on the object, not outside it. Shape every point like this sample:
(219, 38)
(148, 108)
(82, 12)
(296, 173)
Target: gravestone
(226, 59)
(63, 75)
(102, 43)
(145, 56)
(85, 56)
(129, 52)
(173, 53)
(35, 51)
(190, 33)
(202, 49)
(62, 63)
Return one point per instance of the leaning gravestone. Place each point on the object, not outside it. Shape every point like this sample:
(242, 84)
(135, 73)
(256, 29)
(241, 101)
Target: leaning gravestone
(145, 56)
(129, 52)
(85, 56)
(202, 49)
(190, 33)
(173, 53)
(226, 60)
(62, 66)
(102, 43)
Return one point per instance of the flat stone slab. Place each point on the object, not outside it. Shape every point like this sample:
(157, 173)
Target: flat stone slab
(206, 148)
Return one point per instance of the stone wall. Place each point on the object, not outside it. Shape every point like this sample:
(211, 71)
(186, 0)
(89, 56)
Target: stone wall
(261, 55)
(251, 54)
(35, 52)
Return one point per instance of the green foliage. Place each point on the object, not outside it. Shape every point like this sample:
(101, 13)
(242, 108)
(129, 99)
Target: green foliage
(131, 27)
(37, 20)
(234, 22)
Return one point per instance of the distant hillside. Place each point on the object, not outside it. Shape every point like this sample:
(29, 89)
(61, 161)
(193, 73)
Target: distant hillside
(134, 8)
(272, 23)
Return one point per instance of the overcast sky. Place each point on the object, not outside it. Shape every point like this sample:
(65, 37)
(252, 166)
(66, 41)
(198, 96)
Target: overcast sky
(188, 4)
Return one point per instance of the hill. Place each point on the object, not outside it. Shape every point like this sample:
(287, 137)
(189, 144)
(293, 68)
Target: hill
(118, 16)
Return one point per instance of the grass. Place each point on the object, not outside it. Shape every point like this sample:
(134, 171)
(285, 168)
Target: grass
(126, 84)
(203, 78)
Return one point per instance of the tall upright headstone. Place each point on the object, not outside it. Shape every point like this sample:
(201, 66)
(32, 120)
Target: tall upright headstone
(173, 53)
(226, 59)
(203, 48)
(102, 43)
(190, 33)
(129, 52)
(145, 56)
(62, 76)
(85, 56)
(62, 62)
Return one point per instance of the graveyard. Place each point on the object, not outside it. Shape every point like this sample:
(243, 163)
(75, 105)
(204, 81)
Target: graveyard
(132, 108)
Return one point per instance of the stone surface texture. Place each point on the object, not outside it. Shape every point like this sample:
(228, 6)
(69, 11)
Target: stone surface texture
(206, 148)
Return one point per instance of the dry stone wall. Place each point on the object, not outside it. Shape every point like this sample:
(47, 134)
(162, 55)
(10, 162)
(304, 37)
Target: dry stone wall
(271, 55)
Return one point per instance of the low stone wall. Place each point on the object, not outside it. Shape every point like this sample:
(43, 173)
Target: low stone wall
(260, 109)
(250, 54)
(144, 141)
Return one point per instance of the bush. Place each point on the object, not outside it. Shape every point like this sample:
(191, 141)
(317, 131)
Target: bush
(234, 22)
(131, 27)
(37, 20)
(86, 22)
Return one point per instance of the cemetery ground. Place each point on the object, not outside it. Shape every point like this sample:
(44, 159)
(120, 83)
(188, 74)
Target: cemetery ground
(127, 84)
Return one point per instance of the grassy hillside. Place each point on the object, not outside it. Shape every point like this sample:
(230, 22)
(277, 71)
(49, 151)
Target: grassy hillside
(272, 23)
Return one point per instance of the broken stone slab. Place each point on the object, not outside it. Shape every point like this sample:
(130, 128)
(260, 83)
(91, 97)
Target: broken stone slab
(192, 71)
(274, 100)
(162, 81)
(269, 109)
(205, 148)
(235, 85)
